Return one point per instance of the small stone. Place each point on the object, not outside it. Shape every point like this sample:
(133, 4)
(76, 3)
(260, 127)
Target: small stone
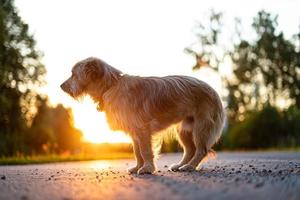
(260, 184)
(3, 177)
(24, 197)
(166, 166)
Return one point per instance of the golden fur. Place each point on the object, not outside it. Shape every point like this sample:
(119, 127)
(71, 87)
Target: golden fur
(142, 106)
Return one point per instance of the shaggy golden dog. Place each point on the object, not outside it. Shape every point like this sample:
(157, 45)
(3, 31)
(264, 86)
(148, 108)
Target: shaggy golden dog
(142, 106)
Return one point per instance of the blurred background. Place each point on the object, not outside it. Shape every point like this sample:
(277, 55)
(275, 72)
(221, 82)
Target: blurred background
(249, 52)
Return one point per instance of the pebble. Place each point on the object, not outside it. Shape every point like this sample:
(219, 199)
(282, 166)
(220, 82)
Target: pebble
(3, 177)
(260, 184)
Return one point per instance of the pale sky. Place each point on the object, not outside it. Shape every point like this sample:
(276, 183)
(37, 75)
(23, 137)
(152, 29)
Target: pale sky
(136, 36)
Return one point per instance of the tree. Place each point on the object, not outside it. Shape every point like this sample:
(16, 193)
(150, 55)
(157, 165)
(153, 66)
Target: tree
(265, 69)
(68, 138)
(40, 137)
(20, 70)
(52, 129)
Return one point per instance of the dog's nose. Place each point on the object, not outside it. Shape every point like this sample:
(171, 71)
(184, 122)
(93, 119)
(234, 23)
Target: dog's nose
(63, 86)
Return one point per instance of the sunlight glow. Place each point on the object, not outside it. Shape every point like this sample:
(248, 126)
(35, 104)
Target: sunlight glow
(93, 124)
(99, 165)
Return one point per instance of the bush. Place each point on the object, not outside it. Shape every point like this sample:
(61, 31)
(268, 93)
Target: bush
(267, 128)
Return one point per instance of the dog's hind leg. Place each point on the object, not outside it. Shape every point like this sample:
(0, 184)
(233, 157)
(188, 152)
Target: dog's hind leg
(202, 137)
(186, 141)
(138, 156)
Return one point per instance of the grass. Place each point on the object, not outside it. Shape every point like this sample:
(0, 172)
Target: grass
(39, 159)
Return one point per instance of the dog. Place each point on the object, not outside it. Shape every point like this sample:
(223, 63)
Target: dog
(143, 106)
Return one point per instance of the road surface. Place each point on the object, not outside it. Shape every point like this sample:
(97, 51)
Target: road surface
(229, 176)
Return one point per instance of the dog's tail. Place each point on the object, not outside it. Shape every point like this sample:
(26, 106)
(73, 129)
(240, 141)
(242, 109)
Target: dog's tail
(216, 126)
(207, 130)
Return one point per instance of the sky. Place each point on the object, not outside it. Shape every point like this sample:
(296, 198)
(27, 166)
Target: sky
(136, 36)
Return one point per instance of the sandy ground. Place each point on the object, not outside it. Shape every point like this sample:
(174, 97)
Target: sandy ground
(229, 176)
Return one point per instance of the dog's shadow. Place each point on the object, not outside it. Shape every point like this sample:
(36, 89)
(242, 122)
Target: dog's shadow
(185, 185)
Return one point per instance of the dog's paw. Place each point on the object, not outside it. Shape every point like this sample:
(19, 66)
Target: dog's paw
(146, 169)
(175, 167)
(187, 168)
(133, 170)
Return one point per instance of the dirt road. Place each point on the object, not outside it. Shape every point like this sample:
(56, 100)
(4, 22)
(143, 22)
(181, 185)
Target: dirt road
(229, 176)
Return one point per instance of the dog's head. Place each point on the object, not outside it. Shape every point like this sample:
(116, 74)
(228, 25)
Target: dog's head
(90, 76)
(84, 73)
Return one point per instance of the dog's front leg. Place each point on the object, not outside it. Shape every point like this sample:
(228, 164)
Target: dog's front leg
(145, 146)
(138, 156)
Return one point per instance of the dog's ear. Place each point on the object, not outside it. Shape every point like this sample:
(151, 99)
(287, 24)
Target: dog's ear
(93, 69)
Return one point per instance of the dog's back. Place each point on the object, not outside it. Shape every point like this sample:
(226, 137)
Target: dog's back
(154, 103)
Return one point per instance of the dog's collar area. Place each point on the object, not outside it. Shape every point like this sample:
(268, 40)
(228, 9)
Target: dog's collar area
(100, 106)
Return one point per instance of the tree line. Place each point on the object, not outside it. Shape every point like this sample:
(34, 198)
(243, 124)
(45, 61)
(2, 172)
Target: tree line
(28, 125)
(262, 95)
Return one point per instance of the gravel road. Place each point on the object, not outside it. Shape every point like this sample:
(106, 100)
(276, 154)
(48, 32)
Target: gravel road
(271, 175)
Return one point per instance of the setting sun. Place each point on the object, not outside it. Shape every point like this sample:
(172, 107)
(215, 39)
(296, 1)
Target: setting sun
(93, 124)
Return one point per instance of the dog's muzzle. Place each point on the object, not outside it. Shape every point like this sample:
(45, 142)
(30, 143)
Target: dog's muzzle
(65, 87)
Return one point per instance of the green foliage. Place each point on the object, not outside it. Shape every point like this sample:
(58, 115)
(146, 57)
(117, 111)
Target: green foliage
(265, 69)
(20, 70)
(22, 131)
(53, 130)
(267, 128)
(169, 143)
